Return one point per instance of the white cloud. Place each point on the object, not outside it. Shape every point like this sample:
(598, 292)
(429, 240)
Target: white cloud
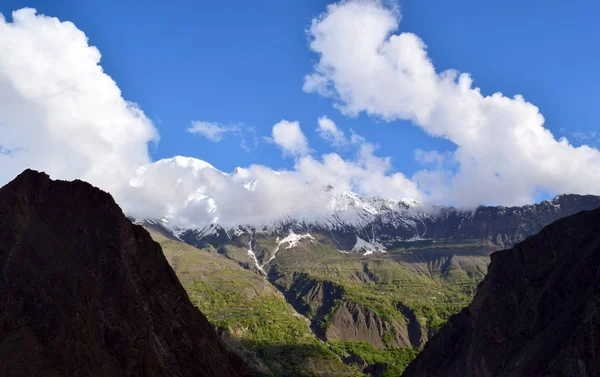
(431, 157)
(59, 112)
(590, 137)
(290, 138)
(329, 132)
(192, 193)
(210, 130)
(504, 154)
(215, 132)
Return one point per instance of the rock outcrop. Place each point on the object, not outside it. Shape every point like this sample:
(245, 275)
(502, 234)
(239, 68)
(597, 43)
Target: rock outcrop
(85, 292)
(359, 323)
(336, 318)
(537, 312)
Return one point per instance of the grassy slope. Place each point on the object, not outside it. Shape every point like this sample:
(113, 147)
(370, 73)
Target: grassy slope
(382, 281)
(251, 314)
(391, 361)
(257, 321)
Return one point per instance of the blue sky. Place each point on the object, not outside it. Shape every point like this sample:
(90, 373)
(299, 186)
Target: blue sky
(244, 62)
(432, 88)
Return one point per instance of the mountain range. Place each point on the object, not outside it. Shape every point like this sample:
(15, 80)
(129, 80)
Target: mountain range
(357, 291)
(370, 275)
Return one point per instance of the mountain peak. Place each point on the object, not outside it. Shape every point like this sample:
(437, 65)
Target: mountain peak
(35, 185)
(187, 162)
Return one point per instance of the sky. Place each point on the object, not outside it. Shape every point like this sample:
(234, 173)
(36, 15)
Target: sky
(385, 98)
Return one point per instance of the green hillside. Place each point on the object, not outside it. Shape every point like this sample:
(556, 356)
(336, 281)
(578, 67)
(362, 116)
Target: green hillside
(250, 314)
(322, 312)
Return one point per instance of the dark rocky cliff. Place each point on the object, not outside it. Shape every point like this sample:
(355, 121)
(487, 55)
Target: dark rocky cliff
(537, 312)
(86, 293)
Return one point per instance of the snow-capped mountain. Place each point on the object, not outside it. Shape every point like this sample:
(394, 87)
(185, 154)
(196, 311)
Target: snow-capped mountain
(349, 222)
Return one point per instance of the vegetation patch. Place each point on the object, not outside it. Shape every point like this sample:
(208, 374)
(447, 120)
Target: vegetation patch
(388, 362)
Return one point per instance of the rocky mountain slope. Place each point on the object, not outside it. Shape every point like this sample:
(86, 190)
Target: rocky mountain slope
(87, 293)
(535, 314)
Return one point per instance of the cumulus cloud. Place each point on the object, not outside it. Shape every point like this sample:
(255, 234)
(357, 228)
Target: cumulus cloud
(198, 194)
(289, 137)
(59, 112)
(193, 193)
(329, 132)
(503, 155)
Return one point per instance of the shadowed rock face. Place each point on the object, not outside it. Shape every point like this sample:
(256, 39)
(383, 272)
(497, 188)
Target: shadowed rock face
(537, 312)
(83, 292)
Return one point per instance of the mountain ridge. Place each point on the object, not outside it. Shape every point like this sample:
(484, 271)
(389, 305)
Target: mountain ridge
(87, 293)
(535, 313)
(375, 230)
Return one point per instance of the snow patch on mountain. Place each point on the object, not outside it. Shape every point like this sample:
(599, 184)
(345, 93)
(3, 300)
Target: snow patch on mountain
(292, 240)
(368, 247)
(187, 162)
(253, 256)
(250, 186)
(411, 203)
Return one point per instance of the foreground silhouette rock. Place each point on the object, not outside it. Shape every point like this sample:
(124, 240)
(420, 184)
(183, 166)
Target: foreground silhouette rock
(84, 292)
(537, 312)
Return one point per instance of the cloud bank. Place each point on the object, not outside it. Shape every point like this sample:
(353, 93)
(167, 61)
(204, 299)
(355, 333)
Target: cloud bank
(504, 154)
(193, 193)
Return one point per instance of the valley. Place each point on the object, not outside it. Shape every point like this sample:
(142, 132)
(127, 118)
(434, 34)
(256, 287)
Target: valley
(360, 296)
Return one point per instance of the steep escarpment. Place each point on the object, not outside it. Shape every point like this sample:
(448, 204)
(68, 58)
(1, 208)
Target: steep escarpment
(87, 293)
(359, 323)
(535, 314)
(314, 298)
(351, 309)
